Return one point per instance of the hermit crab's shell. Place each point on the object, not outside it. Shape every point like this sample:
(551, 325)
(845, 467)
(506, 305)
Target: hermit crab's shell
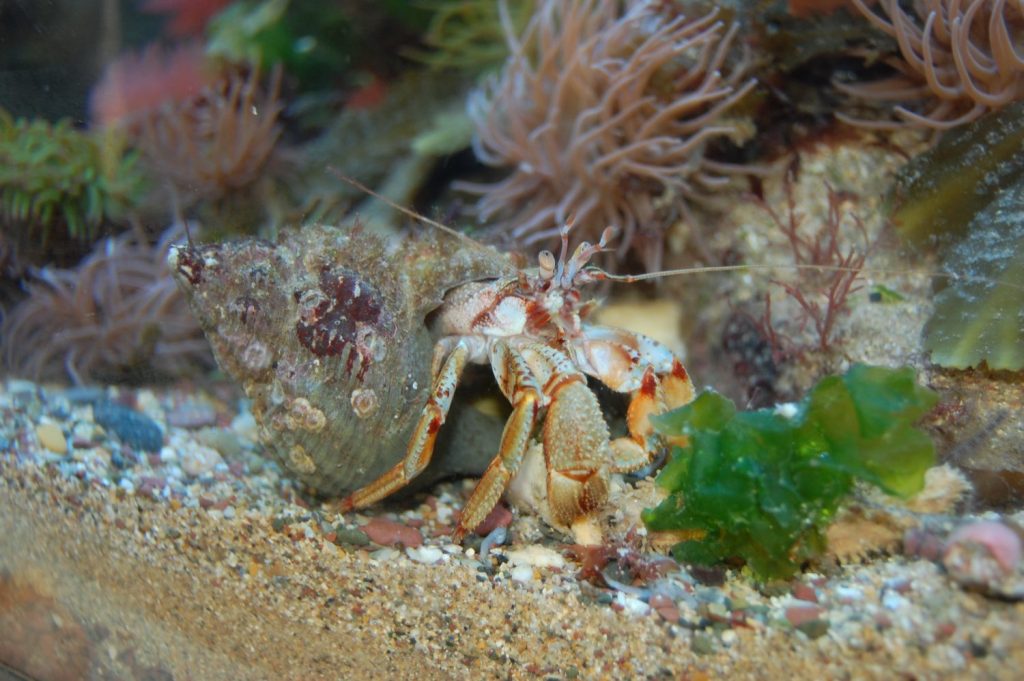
(325, 332)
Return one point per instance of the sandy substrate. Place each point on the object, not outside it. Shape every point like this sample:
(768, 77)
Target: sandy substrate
(103, 584)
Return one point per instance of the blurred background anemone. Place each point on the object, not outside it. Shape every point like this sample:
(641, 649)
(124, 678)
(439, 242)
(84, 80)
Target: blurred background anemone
(117, 316)
(204, 129)
(958, 60)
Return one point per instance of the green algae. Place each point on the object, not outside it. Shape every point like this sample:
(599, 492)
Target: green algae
(313, 41)
(764, 485)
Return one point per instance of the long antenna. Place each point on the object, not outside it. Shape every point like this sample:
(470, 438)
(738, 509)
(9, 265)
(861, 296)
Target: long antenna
(647, 276)
(402, 209)
(600, 275)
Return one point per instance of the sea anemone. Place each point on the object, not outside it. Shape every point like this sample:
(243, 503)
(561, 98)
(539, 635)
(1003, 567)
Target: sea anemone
(117, 315)
(53, 176)
(604, 115)
(216, 141)
(959, 61)
(205, 133)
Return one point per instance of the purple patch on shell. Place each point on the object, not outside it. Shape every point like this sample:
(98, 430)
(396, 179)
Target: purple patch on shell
(344, 311)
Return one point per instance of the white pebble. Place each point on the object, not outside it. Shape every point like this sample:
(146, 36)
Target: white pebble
(522, 574)
(536, 556)
(146, 402)
(385, 555)
(630, 605)
(427, 555)
(229, 512)
(168, 455)
(849, 593)
(444, 514)
(245, 427)
(787, 410)
(893, 601)
(728, 637)
(199, 460)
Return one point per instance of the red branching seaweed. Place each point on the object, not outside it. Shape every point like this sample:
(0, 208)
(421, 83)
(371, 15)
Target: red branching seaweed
(830, 268)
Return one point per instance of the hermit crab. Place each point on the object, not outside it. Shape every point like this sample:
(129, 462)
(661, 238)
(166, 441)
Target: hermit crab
(351, 351)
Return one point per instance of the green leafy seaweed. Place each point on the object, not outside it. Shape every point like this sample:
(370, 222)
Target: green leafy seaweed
(764, 485)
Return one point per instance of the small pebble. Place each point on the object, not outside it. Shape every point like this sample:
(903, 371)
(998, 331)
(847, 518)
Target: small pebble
(133, 428)
(892, 600)
(347, 536)
(631, 605)
(848, 594)
(52, 438)
(813, 628)
(388, 532)
(997, 538)
(523, 574)
(799, 614)
(536, 556)
(427, 555)
(244, 425)
(919, 543)
(702, 643)
(499, 516)
(197, 459)
(192, 415)
(805, 592)
(385, 555)
(666, 607)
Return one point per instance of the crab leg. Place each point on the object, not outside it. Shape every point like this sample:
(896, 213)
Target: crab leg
(518, 384)
(421, 446)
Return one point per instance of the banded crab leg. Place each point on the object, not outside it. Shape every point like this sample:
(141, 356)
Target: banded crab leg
(447, 368)
(517, 382)
(574, 435)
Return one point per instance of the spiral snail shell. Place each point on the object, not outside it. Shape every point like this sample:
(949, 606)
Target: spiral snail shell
(325, 331)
